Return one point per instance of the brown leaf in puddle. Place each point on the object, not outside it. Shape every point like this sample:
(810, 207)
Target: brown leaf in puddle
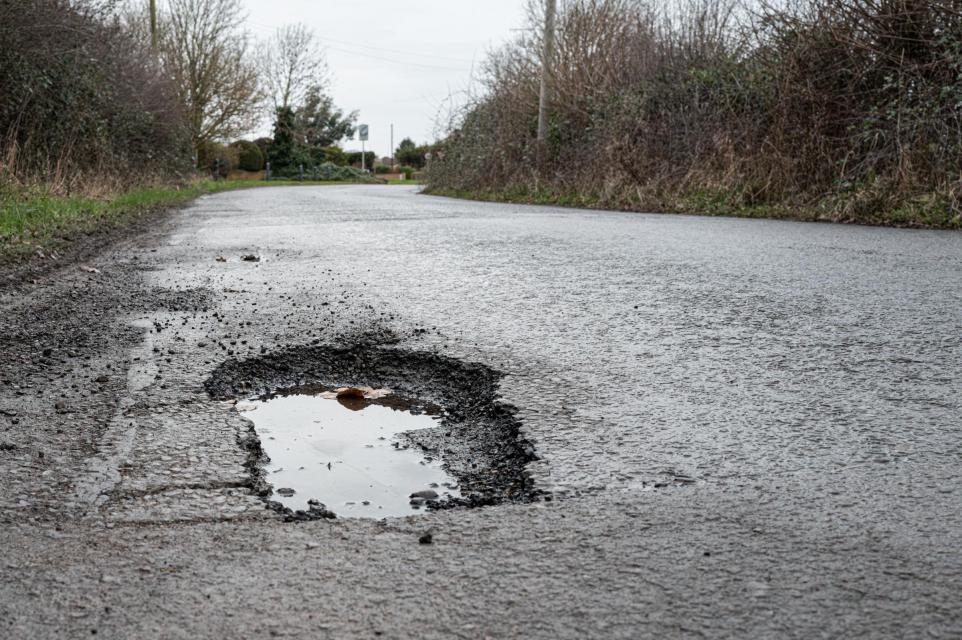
(220, 259)
(354, 403)
(368, 393)
(355, 398)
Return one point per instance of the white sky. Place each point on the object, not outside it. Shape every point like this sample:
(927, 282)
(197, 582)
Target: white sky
(395, 60)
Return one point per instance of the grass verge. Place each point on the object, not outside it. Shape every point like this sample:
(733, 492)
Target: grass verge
(39, 224)
(926, 211)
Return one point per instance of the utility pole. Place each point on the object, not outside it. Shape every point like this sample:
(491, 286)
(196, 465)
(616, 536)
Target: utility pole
(546, 55)
(153, 25)
(392, 147)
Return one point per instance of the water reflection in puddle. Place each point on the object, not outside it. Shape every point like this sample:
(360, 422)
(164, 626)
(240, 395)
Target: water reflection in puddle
(343, 453)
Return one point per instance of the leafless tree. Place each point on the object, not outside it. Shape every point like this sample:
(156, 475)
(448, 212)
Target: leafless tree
(293, 63)
(206, 52)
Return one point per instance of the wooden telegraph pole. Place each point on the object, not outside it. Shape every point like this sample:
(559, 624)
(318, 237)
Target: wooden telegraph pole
(153, 25)
(546, 55)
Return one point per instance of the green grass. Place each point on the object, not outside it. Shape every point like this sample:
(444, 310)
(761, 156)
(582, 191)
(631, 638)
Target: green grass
(403, 182)
(40, 223)
(929, 211)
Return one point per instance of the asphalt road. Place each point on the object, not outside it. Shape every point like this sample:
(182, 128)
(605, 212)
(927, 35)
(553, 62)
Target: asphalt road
(747, 428)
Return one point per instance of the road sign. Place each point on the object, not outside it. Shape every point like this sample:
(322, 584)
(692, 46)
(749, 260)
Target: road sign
(362, 132)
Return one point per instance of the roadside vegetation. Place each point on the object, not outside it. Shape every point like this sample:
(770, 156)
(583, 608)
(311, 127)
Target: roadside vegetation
(40, 224)
(102, 119)
(841, 110)
(84, 106)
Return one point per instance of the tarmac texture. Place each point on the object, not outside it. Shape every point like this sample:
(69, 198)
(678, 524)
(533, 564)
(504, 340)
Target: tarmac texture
(684, 427)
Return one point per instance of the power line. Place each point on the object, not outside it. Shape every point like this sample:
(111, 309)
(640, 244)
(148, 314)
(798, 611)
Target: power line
(325, 40)
(395, 51)
(405, 63)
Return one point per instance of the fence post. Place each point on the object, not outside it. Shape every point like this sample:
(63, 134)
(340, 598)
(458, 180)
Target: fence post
(301, 172)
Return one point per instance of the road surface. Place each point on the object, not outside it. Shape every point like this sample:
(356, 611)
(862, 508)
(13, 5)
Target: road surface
(743, 428)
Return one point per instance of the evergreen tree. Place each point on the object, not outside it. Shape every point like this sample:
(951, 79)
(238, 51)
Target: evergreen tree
(321, 123)
(283, 151)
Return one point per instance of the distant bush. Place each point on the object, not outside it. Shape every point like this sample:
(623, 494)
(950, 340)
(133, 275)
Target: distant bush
(264, 144)
(354, 158)
(334, 155)
(217, 159)
(411, 154)
(407, 171)
(381, 169)
(329, 171)
(326, 171)
(250, 157)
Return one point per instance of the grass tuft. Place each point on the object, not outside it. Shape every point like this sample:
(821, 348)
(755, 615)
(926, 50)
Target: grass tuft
(34, 222)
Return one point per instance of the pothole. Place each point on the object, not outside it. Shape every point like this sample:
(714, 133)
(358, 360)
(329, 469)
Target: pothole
(442, 424)
(341, 452)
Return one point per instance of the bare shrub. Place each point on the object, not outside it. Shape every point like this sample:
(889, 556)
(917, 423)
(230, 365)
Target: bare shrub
(82, 102)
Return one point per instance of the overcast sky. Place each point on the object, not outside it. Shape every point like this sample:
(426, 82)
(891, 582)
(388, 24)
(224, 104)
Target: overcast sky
(395, 61)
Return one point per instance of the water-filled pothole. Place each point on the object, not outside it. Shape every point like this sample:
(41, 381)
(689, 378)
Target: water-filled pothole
(343, 454)
(476, 438)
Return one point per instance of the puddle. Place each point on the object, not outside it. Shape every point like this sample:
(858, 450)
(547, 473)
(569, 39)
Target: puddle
(478, 437)
(345, 452)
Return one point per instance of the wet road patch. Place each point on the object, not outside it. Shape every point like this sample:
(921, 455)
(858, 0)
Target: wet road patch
(339, 451)
(471, 436)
